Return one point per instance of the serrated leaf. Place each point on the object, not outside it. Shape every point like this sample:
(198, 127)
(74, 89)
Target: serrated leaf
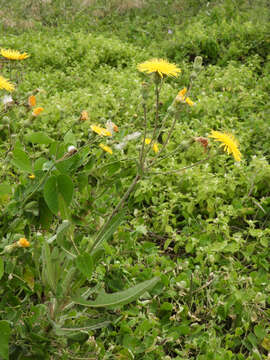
(84, 263)
(50, 192)
(1, 268)
(39, 138)
(120, 297)
(4, 339)
(65, 187)
(21, 160)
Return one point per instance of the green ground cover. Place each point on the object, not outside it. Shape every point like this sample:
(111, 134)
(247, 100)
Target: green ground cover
(204, 232)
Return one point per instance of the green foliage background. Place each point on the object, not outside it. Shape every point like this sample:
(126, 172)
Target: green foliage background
(205, 232)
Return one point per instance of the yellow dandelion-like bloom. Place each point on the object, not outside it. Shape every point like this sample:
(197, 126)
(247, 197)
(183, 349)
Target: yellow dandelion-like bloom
(14, 54)
(5, 84)
(100, 131)
(159, 66)
(84, 115)
(155, 148)
(147, 141)
(32, 176)
(32, 101)
(22, 242)
(106, 148)
(37, 111)
(181, 97)
(229, 142)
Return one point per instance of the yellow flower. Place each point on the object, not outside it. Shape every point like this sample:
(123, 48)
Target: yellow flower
(159, 66)
(101, 131)
(147, 141)
(155, 147)
(32, 100)
(181, 97)
(37, 111)
(84, 115)
(23, 242)
(5, 84)
(13, 54)
(106, 148)
(32, 176)
(229, 142)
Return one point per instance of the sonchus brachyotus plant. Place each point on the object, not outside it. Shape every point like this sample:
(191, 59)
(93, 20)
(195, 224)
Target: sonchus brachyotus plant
(64, 263)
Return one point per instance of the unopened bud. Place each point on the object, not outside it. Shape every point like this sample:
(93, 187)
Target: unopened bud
(197, 65)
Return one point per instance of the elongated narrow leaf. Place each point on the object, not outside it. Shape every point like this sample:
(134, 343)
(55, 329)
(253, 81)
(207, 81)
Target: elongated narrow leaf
(106, 232)
(51, 194)
(48, 270)
(1, 267)
(90, 325)
(120, 297)
(4, 339)
(39, 138)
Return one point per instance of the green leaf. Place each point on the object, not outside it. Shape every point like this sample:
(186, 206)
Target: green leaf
(5, 189)
(50, 192)
(4, 339)
(21, 160)
(106, 232)
(65, 187)
(84, 263)
(120, 297)
(70, 138)
(48, 273)
(39, 138)
(89, 325)
(1, 268)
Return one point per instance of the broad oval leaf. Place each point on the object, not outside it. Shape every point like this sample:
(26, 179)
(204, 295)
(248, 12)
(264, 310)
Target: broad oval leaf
(84, 263)
(65, 187)
(21, 160)
(50, 192)
(120, 297)
(39, 138)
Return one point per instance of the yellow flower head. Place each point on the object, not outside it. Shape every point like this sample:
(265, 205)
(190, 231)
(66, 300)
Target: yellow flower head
(84, 115)
(32, 101)
(159, 66)
(32, 176)
(37, 111)
(155, 147)
(100, 131)
(5, 84)
(106, 148)
(229, 142)
(23, 242)
(147, 141)
(181, 97)
(13, 54)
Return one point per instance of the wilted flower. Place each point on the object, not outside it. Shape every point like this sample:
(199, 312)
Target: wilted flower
(229, 142)
(106, 148)
(6, 84)
(13, 54)
(7, 99)
(203, 141)
(22, 242)
(181, 97)
(111, 126)
(100, 131)
(159, 66)
(84, 115)
(37, 111)
(32, 101)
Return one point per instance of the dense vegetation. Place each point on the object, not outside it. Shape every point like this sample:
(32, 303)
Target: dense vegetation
(196, 241)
